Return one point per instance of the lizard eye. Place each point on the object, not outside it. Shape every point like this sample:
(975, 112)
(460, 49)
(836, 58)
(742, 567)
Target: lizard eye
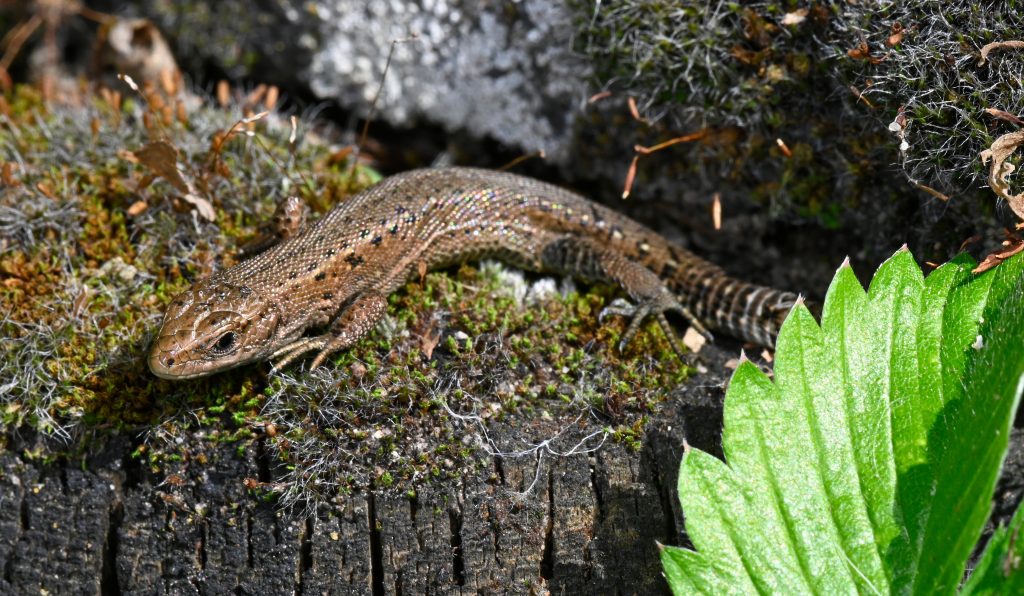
(225, 343)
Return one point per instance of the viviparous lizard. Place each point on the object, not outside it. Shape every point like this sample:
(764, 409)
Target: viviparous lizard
(336, 274)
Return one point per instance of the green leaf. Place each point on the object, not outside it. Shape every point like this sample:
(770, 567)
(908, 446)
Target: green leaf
(969, 440)
(1001, 567)
(860, 468)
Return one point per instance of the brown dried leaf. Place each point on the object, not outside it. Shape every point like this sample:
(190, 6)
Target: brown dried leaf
(756, 29)
(1001, 169)
(429, 341)
(1004, 115)
(999, 45)
(750, 57)
(999, 256)
(162, 159)
(203, 206)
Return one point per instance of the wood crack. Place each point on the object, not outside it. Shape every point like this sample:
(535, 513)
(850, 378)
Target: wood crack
(376, 549)
(109, 583)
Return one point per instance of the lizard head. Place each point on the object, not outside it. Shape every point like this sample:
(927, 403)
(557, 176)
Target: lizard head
(213, 326)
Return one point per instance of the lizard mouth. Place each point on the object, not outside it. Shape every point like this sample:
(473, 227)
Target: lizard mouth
(169, 364)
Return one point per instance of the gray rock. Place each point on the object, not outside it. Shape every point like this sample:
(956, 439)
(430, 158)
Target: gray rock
(499, 70)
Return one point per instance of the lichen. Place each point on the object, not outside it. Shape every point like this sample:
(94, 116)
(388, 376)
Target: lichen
(95, 247)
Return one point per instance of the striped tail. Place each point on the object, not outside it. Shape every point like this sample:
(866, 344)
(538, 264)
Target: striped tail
(743, 310)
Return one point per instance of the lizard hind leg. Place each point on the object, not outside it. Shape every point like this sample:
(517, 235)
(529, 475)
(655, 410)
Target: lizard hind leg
(585, 259)
(638, 313)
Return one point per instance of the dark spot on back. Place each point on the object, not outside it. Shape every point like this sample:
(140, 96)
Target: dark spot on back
(376, 240)
(312, 266)
(330, 252)
(320, 276)
(293, 275)
(328, 295)
(354, 260)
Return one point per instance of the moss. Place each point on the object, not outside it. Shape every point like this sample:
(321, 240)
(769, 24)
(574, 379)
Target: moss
(423, 416)
(85, 276)
(735, 71)
(83, 282)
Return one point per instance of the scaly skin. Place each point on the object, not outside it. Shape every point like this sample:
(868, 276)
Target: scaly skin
(338, 272)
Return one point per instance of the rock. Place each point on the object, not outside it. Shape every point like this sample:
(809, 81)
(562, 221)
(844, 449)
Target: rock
(499, 70)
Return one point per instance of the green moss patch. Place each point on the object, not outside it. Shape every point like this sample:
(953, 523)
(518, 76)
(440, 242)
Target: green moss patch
(94, 247)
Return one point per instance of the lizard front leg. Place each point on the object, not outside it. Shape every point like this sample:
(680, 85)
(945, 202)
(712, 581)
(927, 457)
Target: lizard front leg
(585, 259)
(355, 321)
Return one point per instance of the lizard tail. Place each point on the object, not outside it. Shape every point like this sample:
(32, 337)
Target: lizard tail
(743, 310)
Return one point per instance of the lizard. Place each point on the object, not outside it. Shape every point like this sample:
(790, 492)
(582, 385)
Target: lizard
(336, 274)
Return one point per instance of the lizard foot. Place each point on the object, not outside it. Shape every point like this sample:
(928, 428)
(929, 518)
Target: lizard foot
(294, 350)
(358, 318)
(657, 308)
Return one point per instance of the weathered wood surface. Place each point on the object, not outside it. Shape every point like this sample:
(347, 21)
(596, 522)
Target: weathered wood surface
(589, 524)
(108, 525)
